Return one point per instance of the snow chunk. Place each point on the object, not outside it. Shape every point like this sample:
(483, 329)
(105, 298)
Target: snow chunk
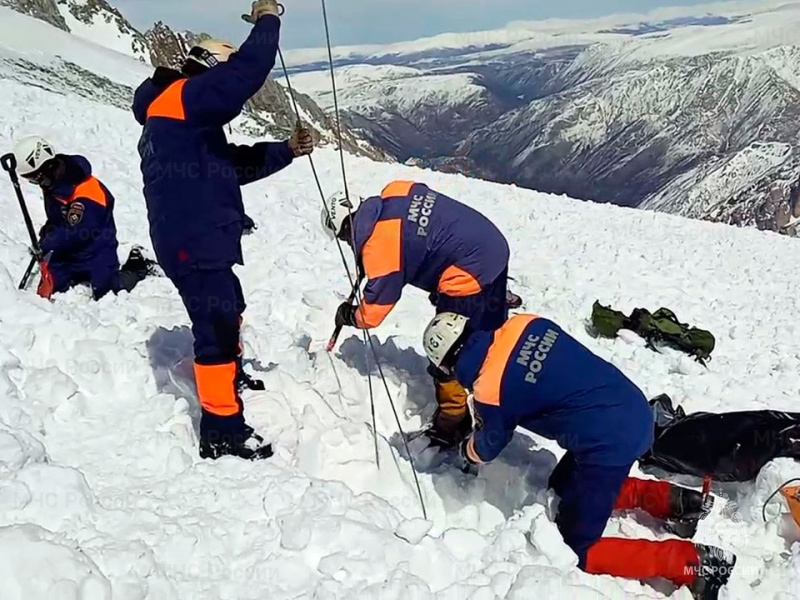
(464, 543)
(547, 582)
(413, 530)
(34, 565)
(58, 493)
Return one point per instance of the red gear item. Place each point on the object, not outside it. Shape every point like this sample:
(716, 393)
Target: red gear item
(792, 496)
(46, 283)
(675, 560)
(649, 495)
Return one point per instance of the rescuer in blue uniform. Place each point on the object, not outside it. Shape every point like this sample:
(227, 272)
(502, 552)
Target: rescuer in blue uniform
(192, 178)
(79, 239)
(531, 374)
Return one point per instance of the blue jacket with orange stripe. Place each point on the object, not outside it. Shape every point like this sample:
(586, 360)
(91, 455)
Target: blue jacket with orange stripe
(414, 235)
(192, 175)
(80, 228)
(532, 374)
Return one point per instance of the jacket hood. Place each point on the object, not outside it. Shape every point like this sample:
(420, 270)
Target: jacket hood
(76, 170)
(151, 89)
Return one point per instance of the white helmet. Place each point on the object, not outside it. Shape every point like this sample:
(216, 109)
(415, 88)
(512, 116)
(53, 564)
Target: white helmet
(339, 209)
(210, 53)
(31, 153)
(442, 334)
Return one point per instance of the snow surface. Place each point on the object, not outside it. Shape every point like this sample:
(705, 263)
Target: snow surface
(101, 491)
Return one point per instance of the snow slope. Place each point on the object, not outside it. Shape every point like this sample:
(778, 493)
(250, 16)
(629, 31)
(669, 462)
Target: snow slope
(101, 492)
(21, 39)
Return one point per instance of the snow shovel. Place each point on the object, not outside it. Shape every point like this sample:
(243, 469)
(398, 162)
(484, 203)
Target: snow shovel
(9, 163)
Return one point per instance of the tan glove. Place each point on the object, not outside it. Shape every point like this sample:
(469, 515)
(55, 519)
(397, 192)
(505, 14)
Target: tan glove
(262, 8)
(302, 141)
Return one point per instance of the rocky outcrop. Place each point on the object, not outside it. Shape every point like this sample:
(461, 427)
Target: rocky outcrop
(45, 10)
(89, 11)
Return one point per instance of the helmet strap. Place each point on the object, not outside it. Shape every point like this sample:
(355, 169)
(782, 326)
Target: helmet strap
(204, 56)
(346, 232)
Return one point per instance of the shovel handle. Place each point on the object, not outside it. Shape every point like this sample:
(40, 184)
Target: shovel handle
(9, 162)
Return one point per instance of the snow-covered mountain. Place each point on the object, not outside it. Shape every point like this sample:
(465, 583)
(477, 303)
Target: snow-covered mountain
(99, 22)
(269, 113)
(692, 111)
(94, 20)
(102, 496)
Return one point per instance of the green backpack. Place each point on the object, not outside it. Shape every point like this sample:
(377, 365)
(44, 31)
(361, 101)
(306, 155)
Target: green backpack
(660, 327)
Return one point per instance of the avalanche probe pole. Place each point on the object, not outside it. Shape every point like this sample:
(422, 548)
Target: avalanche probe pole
(9, 163)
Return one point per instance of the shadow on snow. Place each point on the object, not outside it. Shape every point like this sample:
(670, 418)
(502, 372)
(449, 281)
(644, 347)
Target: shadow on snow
(515, 479)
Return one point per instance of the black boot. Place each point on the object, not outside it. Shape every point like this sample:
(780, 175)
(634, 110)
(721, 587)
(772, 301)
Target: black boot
(713, 572)
(230, 436)
(513, 301)
(688, 508)
(245, 382)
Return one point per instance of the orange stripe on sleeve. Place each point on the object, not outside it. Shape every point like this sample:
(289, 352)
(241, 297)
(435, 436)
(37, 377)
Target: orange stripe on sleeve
(397, 189)
(457, 282)
(216, 388)
(381, 253)
(169, 105)
(487, 386)
(91, 190)
(369, 315)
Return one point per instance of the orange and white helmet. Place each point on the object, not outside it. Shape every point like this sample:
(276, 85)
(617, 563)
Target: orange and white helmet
(210, 53)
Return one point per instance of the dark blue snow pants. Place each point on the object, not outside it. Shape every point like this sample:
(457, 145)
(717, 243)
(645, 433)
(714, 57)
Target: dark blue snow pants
(102, 278)
(588, 495)
(215, 303)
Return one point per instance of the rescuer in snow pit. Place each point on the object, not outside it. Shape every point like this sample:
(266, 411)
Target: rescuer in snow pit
(531, 374)
(79, 238)
(413, 235)
(192, 179)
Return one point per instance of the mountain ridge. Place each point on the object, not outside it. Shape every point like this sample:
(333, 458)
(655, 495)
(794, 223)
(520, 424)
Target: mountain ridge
(661, 115)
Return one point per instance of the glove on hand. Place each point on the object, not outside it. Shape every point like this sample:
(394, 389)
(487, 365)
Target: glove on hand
(346, 315)
(262, 8)
(302, 141)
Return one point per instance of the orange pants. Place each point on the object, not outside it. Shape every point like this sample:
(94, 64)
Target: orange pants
(675, 560)
(589, 494)
(644, 559)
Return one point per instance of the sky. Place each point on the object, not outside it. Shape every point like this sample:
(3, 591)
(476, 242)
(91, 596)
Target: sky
(373, 21)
